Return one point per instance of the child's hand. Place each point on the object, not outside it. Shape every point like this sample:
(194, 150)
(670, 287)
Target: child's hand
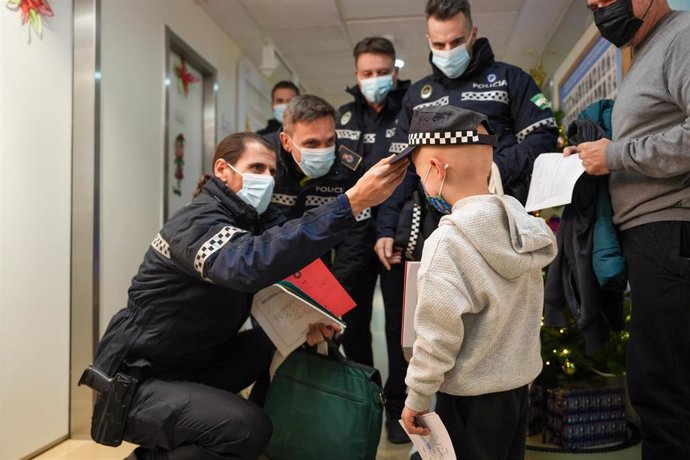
(409, 420)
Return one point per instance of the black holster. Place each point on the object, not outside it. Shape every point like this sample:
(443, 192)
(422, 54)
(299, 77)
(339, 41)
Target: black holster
(113, 400)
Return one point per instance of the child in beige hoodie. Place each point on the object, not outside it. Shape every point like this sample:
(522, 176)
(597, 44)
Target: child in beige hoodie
(480, 292)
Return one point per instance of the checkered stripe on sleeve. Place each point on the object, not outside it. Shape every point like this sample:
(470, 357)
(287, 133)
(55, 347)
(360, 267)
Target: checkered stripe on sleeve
(370, 138)
(364, 215)
(546, 122)
(445, 100)
(495, 96)
(348, 134)
(315, 200)
(414, 230)
(161, 246)
(286, 200)
(445, 138)
(213, 244)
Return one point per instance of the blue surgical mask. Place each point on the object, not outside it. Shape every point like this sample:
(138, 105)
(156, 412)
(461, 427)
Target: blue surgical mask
(278, 112)
(257, 189)
(376, 89)
(453, 62)
(315, 163)
(438, 202)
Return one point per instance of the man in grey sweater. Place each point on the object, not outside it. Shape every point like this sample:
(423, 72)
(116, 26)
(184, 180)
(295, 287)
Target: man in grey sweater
(649, 166)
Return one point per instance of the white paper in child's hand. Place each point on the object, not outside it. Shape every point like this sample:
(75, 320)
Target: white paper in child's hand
(437, 445)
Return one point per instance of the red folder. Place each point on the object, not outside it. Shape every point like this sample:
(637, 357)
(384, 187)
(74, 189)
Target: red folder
(317, 282)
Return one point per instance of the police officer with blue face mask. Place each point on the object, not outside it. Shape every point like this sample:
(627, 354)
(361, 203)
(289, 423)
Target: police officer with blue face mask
(465, 74)
(312, 172)
(281, 94)
(176, 354)
(365, 128)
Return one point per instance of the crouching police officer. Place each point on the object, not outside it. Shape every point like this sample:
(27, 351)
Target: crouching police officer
(170, 363)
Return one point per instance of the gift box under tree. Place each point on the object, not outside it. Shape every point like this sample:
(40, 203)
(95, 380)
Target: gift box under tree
(585, 417)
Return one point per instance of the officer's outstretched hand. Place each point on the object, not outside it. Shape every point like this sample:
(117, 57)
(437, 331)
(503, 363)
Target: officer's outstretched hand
(377, 184)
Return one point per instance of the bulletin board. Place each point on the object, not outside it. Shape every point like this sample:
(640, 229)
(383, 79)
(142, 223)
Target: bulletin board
(595, 76)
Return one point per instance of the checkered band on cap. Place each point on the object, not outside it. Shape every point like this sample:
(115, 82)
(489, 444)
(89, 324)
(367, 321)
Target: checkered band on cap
(444, 138)
(212, 245)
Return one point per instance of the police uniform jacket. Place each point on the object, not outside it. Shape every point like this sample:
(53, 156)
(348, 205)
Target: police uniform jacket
(272, 126)
(518, 113)
(194, 288)
(294, 194)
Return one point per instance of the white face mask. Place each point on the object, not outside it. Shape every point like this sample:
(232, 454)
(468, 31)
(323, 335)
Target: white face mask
(453, 62)
(257, 189)
(315, 163)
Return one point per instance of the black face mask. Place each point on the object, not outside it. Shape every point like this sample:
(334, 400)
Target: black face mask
(617, 22)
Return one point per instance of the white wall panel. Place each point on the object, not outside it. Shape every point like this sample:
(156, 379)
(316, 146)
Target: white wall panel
(132, 125)
(35, 225)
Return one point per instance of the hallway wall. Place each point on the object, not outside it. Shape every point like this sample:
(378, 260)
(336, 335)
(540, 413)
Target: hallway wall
(132, 125)
(35, 226)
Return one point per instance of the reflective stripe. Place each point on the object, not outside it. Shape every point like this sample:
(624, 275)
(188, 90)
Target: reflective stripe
(397, 147)
(348, 134)
(287, 200)
(370, 138)
(547, 122)
(364, 215)
(213, 244)
(445, 100)
(161, 246)
(495, 96)
(390, 133)
(315, 200)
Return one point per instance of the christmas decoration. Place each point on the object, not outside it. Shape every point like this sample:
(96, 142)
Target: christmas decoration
(32, 10)
(179, 163)
(184, 77)
(583, 417)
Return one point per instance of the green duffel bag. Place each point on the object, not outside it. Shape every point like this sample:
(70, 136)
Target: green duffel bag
(324, 407)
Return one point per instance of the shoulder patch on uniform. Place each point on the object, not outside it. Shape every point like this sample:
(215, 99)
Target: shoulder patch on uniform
(425, 92)
(345, 119)
(540, 101)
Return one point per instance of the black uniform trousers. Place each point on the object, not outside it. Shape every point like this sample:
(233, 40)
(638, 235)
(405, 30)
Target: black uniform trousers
(189, 420)
(392, 290)
(658, 360)
(357, 338)
(486, 427)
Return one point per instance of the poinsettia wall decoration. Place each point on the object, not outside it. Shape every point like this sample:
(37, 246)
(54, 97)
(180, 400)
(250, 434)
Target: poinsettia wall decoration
(32, 11)
(184, 77)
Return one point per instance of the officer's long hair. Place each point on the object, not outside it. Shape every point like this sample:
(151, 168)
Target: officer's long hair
(231, 150)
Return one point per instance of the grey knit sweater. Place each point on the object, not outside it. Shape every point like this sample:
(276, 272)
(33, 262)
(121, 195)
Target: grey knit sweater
(480, 301)
(649, 159)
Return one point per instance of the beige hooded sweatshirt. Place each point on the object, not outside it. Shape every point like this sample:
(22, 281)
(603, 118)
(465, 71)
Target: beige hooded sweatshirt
(480, 301)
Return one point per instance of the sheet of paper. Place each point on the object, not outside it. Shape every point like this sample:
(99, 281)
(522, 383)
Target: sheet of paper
(553, 180)
(437, 445)
(317, 281)
(409, 303)
(285, 317)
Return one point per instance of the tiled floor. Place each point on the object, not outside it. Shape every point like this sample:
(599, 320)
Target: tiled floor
(88, 450)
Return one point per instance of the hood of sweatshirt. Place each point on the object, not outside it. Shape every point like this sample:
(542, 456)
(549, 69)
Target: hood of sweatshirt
(484, 219)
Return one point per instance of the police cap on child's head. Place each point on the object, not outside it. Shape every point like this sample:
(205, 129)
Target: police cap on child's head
(446, 125)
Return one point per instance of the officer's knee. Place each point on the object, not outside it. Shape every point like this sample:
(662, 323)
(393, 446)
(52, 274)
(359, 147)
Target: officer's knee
(251, 443)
